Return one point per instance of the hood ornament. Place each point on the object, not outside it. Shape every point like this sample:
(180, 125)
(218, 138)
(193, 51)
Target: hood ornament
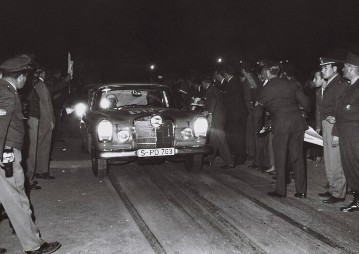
(156, 121)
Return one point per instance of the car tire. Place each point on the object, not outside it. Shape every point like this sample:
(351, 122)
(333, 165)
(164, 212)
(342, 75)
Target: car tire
(83, 145)
(194, 162)
(89, 144)
(99, 167)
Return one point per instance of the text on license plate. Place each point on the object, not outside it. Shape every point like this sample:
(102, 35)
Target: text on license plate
(155, 152)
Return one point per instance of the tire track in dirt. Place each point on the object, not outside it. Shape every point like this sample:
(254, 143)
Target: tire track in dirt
(281, 215)
(194, 204)
(151, 238)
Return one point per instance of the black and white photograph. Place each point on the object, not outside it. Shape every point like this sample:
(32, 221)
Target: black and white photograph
(179, 127)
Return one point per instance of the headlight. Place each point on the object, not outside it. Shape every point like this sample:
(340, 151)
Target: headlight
(123, 136)
(80, 109)
(200, 127)
(186, 133)
(104, 130)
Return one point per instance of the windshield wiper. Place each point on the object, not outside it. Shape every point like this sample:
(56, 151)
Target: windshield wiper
(131, 105)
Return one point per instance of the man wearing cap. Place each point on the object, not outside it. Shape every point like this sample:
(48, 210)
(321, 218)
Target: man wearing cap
(346, 127)
(12, 194)
(332, 161)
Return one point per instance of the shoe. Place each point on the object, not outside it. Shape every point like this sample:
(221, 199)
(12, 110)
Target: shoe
(228, 166)
(3, 250)
(45, 176)
(325, 194)
(271, 169)
(332, 200)
(35, 186)
(352, 207)
(300, 195)
(46, 248)
(275, 194)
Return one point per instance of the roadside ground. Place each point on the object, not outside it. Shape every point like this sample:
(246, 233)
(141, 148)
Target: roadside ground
(84, 213)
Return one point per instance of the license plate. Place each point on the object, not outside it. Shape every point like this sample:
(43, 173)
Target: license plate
(155, 152)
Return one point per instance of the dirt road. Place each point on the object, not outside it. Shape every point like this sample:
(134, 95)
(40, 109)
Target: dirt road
(164, 209)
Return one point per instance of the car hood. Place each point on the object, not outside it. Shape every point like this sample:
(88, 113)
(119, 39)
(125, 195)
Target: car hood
(130, 114)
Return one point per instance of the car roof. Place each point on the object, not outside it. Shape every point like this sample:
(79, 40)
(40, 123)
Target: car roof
(126, 85)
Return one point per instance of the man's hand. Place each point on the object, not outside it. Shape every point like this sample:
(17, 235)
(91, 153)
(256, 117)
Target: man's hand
(330, 119)
(317, 131)
(335, 141)
(2, 165)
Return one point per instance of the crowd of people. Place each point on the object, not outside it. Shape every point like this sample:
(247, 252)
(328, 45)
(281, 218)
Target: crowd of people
(257, 113)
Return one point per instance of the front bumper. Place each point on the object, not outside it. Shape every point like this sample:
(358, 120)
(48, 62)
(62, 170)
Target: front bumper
(133, 153)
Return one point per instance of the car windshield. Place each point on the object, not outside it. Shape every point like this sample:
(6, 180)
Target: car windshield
(111, 98)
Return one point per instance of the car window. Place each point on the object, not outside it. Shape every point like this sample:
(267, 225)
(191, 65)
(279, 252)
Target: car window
(118, 98)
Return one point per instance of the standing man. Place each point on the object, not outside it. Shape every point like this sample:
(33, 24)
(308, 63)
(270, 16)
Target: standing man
(237, 112)
(281, 98)
(214, 105)
(264, 137)
(332, 161)
(33, 130)
(46, 126)
(12, 194)
(320, 84)
(346, 128)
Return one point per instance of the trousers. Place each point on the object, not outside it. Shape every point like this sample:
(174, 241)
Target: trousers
(333, 163)
(17, 206)
(349, 151)
(33, 128)
(218, 142)
(43, 147)
(288, 148)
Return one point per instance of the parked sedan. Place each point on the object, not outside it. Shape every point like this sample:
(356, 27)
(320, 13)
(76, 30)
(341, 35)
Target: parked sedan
(124, 122)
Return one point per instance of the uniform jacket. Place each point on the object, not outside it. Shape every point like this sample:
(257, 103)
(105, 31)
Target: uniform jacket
(332, 92)
(47, 115)
(234, 101)
(347, 113)
(282, 99)
(11, 117)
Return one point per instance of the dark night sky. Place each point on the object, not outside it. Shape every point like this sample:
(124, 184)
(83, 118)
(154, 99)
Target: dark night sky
(117, 35)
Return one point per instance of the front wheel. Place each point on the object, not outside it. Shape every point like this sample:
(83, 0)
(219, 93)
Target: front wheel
(193, 162)
(99, 167)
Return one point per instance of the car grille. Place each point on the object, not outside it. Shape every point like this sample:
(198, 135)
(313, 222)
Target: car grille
(148, 136)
